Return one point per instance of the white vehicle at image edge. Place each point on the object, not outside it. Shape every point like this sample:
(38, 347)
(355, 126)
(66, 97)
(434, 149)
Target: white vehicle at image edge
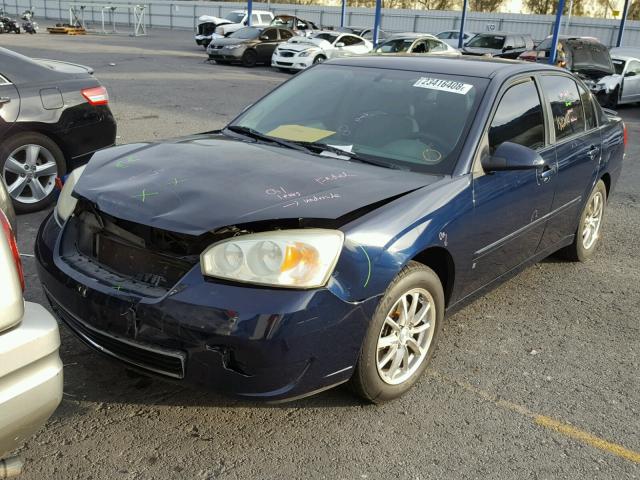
(239, 19)
(300, 52)
(30, 367)
(209, 27)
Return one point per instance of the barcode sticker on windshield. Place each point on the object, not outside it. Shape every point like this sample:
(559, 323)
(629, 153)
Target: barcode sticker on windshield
(443, 85)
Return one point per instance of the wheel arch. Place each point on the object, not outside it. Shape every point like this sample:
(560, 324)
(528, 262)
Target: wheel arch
(441, 262)
(44, 130)
(606, 179)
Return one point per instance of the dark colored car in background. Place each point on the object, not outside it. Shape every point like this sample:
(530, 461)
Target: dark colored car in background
(249, 45)
(297, 25)
(499, 44)
(53, 116)
(586, 57)
(300, 248)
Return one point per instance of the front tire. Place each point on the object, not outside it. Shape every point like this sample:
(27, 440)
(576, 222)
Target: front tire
(249, 59)
(30, 163)
(587, 237)
(319, 59)
(402, 335)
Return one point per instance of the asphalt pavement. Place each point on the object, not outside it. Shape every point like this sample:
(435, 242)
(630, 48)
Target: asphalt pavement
(537, 380)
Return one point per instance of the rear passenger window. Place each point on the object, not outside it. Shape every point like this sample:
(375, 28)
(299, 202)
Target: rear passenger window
(519, 118)
(589, 112)
(566, 105)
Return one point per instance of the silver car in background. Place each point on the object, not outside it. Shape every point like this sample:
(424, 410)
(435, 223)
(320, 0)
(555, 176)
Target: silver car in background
(626, 61)
(30, 367)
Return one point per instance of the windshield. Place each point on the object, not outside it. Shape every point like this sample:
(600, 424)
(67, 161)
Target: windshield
(246, 33)
(397, 45)
(329, 37)
(411, 120)
(495, 42)
(234, 17)
(619, 66)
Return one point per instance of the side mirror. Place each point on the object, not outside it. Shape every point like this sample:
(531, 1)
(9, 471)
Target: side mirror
(507, 48)
(264, 37)
(511, 156)
(630, 74)
(339, 45)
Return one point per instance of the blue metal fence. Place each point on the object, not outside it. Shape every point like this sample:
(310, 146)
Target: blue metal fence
(183, 15)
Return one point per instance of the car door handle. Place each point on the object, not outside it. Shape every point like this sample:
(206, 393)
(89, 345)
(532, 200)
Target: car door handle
(4, 100)
(547, 172)
(593, 151)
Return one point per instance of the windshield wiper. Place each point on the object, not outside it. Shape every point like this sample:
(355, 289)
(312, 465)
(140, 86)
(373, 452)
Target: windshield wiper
(256, 135)
(323, 147)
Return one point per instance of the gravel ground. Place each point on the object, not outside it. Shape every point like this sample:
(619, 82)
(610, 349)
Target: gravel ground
(560, 340)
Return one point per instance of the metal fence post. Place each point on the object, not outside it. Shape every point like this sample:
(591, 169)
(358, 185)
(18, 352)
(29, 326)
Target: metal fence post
(415, 23)
(194, 16)
(171, 15)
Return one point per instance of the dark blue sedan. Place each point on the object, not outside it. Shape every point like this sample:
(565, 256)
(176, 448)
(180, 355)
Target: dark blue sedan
(321, 237)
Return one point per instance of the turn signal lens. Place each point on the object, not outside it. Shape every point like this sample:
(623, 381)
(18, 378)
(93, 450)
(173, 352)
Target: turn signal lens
(96, 95)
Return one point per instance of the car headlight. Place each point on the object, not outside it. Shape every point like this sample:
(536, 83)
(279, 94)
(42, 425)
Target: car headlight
(232, 47)
(306, 53)
(67, 203)
(284, 258)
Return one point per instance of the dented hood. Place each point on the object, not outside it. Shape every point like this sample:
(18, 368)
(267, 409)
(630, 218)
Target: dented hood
(202, 183)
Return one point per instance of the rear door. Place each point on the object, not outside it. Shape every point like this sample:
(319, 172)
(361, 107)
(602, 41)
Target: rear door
(9, 105)
(577, 142)
(510, 207)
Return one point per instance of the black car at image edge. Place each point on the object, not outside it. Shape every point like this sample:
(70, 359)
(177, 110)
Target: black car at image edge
(53, 116)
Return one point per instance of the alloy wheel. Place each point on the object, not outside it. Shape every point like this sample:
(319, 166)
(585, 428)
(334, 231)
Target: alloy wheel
(30, 172)
(592, 221)
(405, 337)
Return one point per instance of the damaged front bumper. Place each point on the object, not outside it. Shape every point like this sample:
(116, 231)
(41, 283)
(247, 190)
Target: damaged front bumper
(274, 344)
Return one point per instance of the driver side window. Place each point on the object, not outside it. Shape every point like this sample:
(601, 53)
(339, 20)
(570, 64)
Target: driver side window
(519, 118)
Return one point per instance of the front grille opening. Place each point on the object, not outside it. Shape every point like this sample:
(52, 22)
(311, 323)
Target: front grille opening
(134, 252)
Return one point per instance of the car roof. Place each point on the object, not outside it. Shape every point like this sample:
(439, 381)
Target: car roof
(397, 36)
(252, 11)
(503, 33)
(484, 67)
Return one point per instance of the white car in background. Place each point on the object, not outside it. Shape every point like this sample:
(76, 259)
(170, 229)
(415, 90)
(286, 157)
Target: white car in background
(240, 19)
(625, 83)
(30, 367)
(415, 44)
(300, 52)
(451, 37)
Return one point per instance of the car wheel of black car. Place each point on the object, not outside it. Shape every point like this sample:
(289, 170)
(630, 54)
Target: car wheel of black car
(402, 335)
(249, 59)
(30, 163)
(319, 59)
(588, 232)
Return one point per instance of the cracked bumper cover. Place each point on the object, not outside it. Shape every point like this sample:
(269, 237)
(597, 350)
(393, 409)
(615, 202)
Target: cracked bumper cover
(274, 344)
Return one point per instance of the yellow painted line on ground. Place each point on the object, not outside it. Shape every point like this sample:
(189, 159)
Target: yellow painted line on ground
(546, 422)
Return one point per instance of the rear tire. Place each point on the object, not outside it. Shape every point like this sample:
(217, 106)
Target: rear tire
(249, 59)
(587, 237)
(395, 338)
(45, 162)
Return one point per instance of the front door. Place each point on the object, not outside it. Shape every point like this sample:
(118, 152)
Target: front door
(631, 82)
(266, 47)
(510, 206)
